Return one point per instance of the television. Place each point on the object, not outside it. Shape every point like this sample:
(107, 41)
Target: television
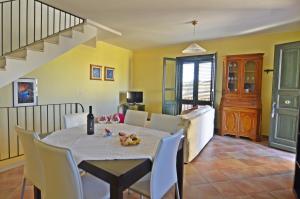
(134, 97)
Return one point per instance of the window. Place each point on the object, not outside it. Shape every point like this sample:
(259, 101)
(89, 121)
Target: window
(204, 81)
(196, 81)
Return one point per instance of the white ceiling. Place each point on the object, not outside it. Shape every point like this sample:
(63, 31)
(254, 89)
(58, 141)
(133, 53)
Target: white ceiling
(150, 23)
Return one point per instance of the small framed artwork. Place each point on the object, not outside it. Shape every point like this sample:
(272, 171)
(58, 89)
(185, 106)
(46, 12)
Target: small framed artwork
(95, 72)
(109, 74)
(25, 92)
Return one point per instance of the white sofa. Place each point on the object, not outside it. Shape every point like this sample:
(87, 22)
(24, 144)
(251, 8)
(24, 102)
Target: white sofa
(199, 129)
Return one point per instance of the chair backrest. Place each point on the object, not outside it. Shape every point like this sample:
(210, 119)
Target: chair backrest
(62, 178)
(73, 120)
(136, 118)
(163, 174)
(32, 167)
(168, 123)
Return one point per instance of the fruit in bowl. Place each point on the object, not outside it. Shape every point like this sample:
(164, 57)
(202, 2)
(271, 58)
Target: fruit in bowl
(122, 134)
(129, 140)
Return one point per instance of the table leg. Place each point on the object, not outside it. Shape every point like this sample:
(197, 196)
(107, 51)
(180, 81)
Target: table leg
(116, 192)
(180, 167)
(37, 193)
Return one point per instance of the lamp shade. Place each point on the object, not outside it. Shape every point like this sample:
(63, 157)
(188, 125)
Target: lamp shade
(194, 49)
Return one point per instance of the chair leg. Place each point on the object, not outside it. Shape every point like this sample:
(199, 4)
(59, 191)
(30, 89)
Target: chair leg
(177, 191)
(23, 188)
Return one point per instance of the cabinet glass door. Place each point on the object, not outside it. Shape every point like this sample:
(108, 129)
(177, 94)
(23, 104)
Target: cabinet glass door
(233, 77)
(249, 77)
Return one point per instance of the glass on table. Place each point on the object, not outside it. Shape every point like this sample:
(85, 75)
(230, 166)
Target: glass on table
(115, 119)
(103, 119)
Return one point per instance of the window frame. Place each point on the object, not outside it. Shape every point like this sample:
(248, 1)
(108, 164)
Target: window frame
(196, 59)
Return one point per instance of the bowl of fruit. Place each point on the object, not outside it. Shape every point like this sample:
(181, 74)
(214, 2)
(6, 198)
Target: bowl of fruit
(129, 140)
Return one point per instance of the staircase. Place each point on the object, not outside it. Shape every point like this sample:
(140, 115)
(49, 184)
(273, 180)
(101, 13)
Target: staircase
(34, 33)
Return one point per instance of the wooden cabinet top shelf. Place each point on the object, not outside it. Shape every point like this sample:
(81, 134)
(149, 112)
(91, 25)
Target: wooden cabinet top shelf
(245, 75)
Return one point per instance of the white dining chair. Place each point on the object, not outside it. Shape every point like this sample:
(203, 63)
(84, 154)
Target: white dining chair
(168, 123)
(73, 120)
(32, 166)
(163, 174)
(136, 118)
(62, 178)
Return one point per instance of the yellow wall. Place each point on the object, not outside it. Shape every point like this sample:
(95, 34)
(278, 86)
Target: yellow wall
(147, 66)
(67, 78)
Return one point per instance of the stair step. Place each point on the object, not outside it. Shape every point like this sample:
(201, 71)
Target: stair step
(91, 43)
(53, 39)
(79, 28)
(38, 46)
(17, 68)
(2, 63)
(20, 54)
(67, 33)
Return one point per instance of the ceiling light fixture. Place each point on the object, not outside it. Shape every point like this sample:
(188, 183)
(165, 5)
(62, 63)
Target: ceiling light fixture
(194, 48)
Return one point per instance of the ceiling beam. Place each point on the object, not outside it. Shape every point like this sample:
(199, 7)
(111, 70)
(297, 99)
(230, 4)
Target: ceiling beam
(100, 26)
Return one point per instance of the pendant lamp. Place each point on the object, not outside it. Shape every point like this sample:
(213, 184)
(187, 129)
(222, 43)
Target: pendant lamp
(194, 48)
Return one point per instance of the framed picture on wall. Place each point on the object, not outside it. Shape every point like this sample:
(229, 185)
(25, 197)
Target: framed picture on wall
(109, 74)
(25, 92)
(95, 72)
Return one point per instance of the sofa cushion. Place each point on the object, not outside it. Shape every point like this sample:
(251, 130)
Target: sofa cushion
(189, 110)
(196, 112)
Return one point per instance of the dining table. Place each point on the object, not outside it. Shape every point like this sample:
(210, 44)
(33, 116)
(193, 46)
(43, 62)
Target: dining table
(103, 156)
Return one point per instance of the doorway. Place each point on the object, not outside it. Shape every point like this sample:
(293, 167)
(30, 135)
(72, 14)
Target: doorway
(285, 97)
(196, 81)
(188, 82)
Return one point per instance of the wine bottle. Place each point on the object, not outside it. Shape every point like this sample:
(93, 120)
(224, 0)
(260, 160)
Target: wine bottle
(90, 122)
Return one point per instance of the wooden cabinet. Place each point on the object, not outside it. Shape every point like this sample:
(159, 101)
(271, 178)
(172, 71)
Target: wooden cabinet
(241, 95)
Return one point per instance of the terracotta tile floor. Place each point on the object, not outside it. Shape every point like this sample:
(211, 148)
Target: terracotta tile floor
(228, 168)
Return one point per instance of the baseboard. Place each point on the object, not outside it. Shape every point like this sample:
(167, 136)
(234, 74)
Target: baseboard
(216, 131)
(264, 138)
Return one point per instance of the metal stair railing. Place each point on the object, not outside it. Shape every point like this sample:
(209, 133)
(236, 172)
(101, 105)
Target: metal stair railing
(24, 22)
(43, 119)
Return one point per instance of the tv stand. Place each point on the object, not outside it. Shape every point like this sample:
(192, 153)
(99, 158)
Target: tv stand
(131, 106)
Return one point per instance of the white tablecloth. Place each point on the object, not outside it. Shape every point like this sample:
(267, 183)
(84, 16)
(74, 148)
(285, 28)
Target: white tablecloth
(98, 147)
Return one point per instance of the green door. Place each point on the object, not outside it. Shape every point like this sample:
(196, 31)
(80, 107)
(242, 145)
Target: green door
(286, 97)
(169, 89)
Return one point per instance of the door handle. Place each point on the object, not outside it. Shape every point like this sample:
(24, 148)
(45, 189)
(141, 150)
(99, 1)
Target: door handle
(273, 109)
